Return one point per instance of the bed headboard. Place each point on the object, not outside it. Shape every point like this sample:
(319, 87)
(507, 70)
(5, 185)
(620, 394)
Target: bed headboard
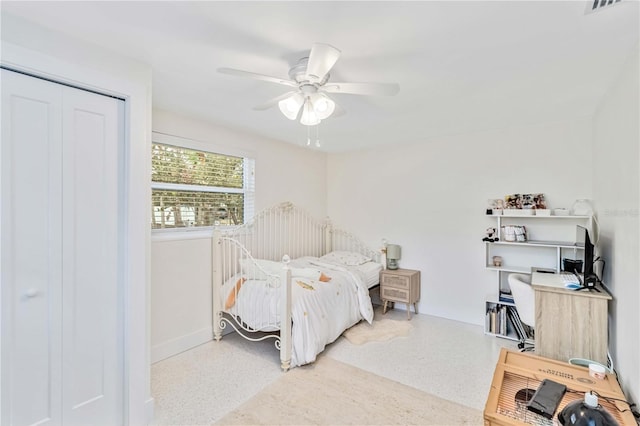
(288, 229)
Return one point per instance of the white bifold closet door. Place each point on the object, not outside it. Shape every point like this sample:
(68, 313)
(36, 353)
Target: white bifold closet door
(62, 263)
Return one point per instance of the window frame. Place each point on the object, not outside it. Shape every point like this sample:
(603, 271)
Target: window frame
(213, 148)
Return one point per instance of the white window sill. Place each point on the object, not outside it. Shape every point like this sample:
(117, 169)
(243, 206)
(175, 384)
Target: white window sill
(181, 234)
(178, 234)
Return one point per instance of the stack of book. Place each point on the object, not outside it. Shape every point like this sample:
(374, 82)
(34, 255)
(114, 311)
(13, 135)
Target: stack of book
(506, 296)
(504, 320)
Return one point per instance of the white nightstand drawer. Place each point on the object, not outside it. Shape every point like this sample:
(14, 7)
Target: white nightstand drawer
(394, 294)
(397, 281)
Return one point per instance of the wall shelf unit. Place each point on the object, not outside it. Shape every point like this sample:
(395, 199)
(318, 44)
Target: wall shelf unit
(549, 240)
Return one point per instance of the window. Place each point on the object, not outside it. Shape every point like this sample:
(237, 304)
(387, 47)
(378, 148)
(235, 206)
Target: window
(192, 188)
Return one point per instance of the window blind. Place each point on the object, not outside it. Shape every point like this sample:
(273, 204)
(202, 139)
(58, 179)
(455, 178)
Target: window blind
(192, 188)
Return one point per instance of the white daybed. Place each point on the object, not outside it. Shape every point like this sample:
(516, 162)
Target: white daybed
(289, 277)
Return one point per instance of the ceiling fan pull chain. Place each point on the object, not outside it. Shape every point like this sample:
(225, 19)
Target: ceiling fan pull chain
(318, 135)
(308, 135)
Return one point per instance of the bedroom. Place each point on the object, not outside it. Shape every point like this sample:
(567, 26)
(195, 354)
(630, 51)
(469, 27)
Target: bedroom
(427, 193)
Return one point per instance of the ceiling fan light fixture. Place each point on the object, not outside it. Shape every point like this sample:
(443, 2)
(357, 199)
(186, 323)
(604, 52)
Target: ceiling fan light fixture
(291, 105)
(309, 116)
(323, 105)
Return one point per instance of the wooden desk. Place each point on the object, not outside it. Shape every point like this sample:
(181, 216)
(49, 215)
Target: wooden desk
(569, 323)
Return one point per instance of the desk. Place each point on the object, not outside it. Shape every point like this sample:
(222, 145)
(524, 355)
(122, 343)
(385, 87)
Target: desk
(569, 323)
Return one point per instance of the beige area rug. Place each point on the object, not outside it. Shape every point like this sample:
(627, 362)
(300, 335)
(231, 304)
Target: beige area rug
(378, 331)
(330, 392)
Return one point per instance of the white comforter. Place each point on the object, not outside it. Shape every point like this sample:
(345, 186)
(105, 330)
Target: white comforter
(320, 312)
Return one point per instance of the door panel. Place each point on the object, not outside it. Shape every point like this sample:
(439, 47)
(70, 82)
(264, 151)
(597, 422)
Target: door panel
(92, 370)
(31, 250)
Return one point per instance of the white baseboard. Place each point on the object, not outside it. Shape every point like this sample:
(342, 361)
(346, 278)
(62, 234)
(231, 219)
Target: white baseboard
(180, 344)
(149, 405)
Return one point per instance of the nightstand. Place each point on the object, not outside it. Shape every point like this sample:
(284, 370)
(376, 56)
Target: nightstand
(400, 285)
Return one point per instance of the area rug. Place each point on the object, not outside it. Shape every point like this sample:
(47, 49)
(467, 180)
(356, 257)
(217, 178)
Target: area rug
(380, 330)
(329, 392)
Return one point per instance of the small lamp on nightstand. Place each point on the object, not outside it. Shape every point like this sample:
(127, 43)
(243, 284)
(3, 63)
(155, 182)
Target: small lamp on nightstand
(393, 255)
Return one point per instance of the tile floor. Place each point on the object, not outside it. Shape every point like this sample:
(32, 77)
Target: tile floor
(450, 359)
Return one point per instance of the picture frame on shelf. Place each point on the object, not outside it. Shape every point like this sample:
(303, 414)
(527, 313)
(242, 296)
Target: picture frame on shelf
(540, 202)
(513, 201)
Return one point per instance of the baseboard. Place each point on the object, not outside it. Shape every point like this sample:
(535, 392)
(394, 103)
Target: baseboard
(149, 410)
(180, 344)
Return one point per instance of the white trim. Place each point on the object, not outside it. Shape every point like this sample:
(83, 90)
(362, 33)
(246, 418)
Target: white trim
(164, 138)
(181, 234)
(180, 344)
(149, 409)
(185, 187)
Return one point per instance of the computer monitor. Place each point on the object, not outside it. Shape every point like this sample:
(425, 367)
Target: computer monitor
(583, 240)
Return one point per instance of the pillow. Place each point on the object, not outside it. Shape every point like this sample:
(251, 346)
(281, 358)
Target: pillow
(347, 258)
(259, 272)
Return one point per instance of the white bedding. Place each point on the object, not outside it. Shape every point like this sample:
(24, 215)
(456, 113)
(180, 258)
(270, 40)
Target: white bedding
(369, 272)
(320, 312)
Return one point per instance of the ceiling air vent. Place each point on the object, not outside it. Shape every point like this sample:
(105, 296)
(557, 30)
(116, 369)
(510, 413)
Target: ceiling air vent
(596, 5)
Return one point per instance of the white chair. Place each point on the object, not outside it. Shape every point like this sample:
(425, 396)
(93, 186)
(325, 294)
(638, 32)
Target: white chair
(524, 299)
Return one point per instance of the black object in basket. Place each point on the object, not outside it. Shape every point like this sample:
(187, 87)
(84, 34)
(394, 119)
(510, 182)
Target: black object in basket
(547, 398)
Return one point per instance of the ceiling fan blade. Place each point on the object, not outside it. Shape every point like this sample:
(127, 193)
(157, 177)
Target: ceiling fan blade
(381, 89)
(272, 102)
(321, 59)
(241, 73)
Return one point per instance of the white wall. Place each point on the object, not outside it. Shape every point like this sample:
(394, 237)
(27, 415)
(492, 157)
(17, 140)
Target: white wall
(431, 197)
(180, 295)
(34, 49)
(181, 265)
(616, 195)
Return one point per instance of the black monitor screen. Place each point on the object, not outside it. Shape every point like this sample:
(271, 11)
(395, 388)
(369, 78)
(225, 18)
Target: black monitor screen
(583, 240)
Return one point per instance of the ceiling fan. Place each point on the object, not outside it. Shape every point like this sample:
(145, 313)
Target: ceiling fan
(309, 79)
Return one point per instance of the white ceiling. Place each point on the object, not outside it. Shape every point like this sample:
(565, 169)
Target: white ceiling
(461, 66)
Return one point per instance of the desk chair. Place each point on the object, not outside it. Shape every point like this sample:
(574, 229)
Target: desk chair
(524, 299)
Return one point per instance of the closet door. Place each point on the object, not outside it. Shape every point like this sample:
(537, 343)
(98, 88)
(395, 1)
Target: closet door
(62, 329)
(31, 162)
(92, 344)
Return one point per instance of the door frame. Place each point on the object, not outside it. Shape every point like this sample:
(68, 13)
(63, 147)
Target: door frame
(130, 81)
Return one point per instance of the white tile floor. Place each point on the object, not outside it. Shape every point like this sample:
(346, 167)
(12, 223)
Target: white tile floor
(452, 360)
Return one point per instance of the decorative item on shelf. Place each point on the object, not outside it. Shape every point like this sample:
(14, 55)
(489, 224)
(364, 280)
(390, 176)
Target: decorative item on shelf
(527, 202)
(495, 207)
(543, 212)
(540, 203)
(514, 233)
(513, 201)
(582, 207)
(393, 255)
(524, 204)
(497, 261)
(491, 235)
(560, 212)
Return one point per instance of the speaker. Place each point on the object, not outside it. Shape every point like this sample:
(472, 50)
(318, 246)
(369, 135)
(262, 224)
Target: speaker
(572, 265)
